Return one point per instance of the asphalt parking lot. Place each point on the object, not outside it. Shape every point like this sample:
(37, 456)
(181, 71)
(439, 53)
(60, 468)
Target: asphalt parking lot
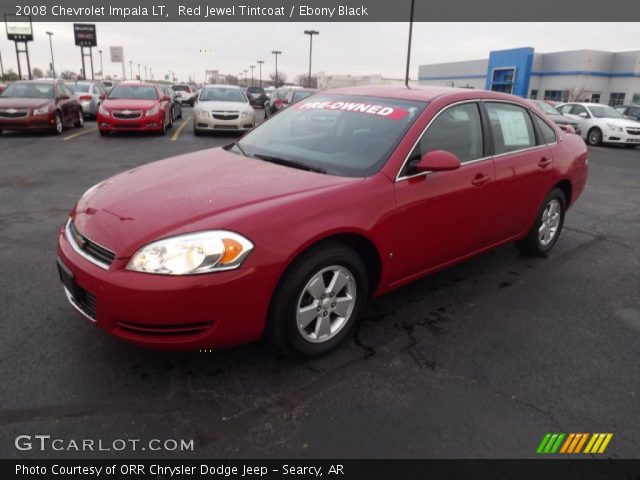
(477, 361)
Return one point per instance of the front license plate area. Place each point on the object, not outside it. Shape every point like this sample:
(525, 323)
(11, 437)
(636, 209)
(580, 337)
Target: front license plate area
(68, 280)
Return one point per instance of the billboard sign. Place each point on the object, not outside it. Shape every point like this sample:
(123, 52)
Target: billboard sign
(18, 28)
(117, 54)
(85, 34)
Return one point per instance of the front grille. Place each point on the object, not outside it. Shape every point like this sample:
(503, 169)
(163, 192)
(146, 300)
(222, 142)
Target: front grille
(89, 249)
(177, 329)
(13, 114)
(633, 131)
(126, 125)
(130, 115)
(225, 115)
(84, 301)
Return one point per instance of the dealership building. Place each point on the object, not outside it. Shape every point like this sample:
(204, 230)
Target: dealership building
(579, 75)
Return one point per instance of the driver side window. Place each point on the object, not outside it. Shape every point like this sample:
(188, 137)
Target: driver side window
(456, 129)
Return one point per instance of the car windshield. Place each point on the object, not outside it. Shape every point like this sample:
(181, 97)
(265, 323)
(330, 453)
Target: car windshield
(344, 135)
(603, 111)
(133, 92)
(180, 88)
(255, 90)
(29, 90)
(300, 95)
(222, 95)
(80, 87)
(546, 108)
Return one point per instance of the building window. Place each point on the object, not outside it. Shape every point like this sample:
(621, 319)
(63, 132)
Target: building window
(636, 99)
(595, 98)
(556, 95)
(534, 95)
(615, 99)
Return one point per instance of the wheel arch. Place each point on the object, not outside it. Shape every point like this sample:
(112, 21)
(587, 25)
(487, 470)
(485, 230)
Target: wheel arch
(567, 189)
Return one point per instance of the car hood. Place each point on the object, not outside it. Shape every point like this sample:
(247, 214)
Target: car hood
(11, 102)
(130, 104)
(561, 119)
(212, 187)
(621, 122)
(224, 106)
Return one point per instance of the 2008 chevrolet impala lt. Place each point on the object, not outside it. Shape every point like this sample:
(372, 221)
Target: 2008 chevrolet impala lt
(286, 232)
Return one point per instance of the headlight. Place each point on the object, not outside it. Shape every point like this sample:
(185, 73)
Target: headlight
(201, 252)
(615, 128)
(41, 110)
(152, 111)
(246, 113)
(202, 113)
(103, 111)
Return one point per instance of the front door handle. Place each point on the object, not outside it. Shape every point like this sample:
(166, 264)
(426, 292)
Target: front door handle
(545, 162)
(480, 179)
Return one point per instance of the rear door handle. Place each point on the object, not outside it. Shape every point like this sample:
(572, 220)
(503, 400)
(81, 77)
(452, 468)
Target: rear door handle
(480, 179)
(545, 162)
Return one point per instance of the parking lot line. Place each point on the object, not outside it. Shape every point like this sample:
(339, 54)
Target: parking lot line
(69, 137)
(180, 128)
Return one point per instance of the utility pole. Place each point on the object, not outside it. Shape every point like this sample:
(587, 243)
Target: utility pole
(311, 33)
(131, 69)
(406, 77)
(53, 67)
(252, 67)
(101, 69)
(260, 62)
(276, 53)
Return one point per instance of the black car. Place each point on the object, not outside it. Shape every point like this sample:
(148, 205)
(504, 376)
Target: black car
(555, 115)
(630, 111)
(176, 106)
(256, 96)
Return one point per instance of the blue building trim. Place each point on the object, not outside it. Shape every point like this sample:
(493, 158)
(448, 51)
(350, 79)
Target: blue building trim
(453, 77)
(510, 71)
(586, 72)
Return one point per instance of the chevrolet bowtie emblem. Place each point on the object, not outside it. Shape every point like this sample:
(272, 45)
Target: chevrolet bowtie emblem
(11, 110)
(126, 112)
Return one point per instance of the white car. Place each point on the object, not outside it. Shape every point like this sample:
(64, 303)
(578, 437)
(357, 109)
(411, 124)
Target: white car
(223, 108)
(602, 124)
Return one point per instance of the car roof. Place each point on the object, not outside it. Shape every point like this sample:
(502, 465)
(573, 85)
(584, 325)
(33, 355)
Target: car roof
(138, 83)
(215, 85)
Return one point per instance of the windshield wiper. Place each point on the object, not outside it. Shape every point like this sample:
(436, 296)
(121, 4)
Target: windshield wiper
(290, 163)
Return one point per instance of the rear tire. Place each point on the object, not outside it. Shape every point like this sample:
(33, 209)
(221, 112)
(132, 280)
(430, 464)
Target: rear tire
(80, 122)
(317, 301)
(546, 229)
(58, 127)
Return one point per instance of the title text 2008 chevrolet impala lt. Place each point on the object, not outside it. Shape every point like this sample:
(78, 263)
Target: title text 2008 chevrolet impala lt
(286, 232)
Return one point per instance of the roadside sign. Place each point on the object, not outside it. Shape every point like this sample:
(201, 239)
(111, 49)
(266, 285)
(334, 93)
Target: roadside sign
(117, 54)
(85, 35)
(18, 29)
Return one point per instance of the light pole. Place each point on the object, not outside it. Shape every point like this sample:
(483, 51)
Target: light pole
(260, 62)
(145, 73)
(151, 73)
(406, 77)
(101, 69)
(1, 68)
(53, 68)
(276, 53)
(131, 69)
(252, 67)
(139, 77)
(311, 33)
(245, 77)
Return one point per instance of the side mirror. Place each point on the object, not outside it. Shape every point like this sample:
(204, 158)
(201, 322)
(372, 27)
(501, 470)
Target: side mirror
(583, 115)
(166, 98)
(63, 97)
(567, 128)
(437, 161)
(102, 97)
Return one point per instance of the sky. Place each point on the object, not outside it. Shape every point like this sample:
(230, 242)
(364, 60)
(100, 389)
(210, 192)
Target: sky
(341, 48)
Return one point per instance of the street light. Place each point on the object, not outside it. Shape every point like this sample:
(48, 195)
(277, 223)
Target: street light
(245, 77)
(101, 69)
(260, 62)
(252, 67)
(276, 53)
(53, 68)
(1, 68)
(406, 77)
(131, 69)
(311, 33)
(139, 76)
(145, 73)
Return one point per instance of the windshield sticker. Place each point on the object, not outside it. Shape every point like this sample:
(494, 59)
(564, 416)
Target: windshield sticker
(368, 108)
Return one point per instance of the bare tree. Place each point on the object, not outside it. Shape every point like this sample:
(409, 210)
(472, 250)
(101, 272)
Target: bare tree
(231, 80)
(68, 75)
(282, 78)
(37, 73)
(575, 94)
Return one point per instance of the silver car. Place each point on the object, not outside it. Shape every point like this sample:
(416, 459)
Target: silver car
(223, 108)
(90, 95)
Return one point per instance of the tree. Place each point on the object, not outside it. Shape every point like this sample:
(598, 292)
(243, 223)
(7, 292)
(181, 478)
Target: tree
(282, 78)
(575, 94)
(303, 81)
(10, 76)
(68, 75)
(37, 73)
(231, 80)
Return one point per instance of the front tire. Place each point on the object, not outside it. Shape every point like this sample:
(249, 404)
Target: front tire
(546, 229)
(317, 301)
(594, 137)
(80, 122)
(58, 127)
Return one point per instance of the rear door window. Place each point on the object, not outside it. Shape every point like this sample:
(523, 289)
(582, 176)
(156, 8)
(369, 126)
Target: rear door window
(511, 127)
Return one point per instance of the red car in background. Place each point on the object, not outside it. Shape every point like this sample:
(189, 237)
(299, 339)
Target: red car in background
(39, 105)
(285, 233)
(2, 87)
(135, 106)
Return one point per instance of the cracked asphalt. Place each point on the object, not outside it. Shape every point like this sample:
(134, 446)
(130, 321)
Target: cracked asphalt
(478, 361)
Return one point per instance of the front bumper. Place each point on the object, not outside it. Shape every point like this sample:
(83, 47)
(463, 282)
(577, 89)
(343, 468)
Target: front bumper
(188, 312)
(208, 123)
(30, 122)
(610, 136)
(142, 124)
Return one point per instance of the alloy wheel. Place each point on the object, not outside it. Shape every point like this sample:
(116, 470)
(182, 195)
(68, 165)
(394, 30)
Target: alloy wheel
(549, 223)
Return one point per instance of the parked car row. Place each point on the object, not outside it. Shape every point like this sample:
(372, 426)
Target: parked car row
(284, 97)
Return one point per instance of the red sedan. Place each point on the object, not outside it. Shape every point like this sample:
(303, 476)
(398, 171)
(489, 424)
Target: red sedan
(135, 106)
(286, 232)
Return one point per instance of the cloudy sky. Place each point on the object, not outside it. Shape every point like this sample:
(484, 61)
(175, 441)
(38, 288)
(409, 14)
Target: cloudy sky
(341, 48)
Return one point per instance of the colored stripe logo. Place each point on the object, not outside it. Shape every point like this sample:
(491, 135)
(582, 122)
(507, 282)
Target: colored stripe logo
(572, 443)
